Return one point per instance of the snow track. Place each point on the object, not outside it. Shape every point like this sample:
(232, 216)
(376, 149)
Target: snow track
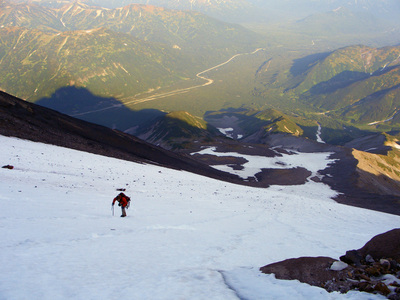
(185, 237)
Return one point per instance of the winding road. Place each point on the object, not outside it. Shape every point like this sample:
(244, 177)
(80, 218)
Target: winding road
(384, 121)
(200, 75)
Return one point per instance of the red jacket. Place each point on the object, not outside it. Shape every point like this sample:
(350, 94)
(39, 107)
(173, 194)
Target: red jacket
(122, 200)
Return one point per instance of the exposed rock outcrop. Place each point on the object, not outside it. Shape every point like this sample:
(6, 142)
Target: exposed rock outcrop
(375, 268)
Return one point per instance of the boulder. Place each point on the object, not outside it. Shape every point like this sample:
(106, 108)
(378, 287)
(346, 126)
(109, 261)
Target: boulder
(385, 245)
(312, 270)
(366, 269)
(352, 257)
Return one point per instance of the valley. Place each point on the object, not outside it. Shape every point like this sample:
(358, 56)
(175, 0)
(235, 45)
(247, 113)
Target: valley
(246, 132)
(183, 79)
(148, 96)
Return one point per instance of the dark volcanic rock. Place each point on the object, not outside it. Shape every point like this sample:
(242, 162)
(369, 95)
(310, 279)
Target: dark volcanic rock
(312, 270)
(352, 257)
(293, 176)
(366, 271)
(26, 120)
(384, 245)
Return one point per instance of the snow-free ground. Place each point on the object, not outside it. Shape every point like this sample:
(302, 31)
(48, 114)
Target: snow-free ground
(185, 237)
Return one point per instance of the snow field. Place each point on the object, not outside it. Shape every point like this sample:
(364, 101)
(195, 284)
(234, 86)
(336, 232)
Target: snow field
(185, 237)
(310, 161)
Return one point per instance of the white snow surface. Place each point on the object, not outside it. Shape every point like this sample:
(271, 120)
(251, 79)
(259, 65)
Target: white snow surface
(313, 162)
(227, 132)
(185, 237)
(319, 131)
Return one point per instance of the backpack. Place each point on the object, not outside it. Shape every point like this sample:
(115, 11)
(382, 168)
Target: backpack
(128, 200)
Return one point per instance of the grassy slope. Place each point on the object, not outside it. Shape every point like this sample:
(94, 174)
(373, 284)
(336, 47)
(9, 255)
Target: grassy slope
(35, 64)
(380, 173)
(143, 48)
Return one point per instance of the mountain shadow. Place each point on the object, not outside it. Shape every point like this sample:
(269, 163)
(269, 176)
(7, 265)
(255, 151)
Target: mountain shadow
(177, 130)
(257, 126)
(335, 136)
(340, 81)
(302, 65)
(22, 119)
(345, 79)
(82, 104)
(376, 106)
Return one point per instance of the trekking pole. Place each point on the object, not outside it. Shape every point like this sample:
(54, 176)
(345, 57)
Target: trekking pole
(112, 208)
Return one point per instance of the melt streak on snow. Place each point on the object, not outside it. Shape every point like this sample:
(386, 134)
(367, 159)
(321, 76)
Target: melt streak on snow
(185, 237)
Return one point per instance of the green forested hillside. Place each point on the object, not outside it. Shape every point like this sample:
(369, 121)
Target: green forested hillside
(182, 29)
(356, 62)
(291, 80)
(29, 15)
(255, 122)
(358, 85)
(34, 64)
(118, 52)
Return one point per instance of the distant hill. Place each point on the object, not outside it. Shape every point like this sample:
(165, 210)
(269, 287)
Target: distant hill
(358, 85)
(35, 64)
(342, 21)
(297, 8)
(184, 29)
(175, 130)
(252, 10)
(229, 10)
(206, 6)
(254, 125)
(119, 52)
(28, 15)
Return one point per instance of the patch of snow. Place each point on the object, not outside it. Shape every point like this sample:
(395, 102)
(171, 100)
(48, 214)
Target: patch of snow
(390, 279)
(339, 266)
(310, 161)
(395, 145)
(185, 237)
(249, 284)
(319, 131)
(227, 132)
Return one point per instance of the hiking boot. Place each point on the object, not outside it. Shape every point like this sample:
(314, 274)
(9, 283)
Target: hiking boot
(123, 212)
(122, 216)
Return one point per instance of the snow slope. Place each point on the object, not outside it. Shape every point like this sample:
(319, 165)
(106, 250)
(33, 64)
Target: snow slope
(185, 237)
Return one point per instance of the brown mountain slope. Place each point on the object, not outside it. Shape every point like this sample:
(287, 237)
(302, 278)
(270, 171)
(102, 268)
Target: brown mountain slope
(379, 173)
(25, 120)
